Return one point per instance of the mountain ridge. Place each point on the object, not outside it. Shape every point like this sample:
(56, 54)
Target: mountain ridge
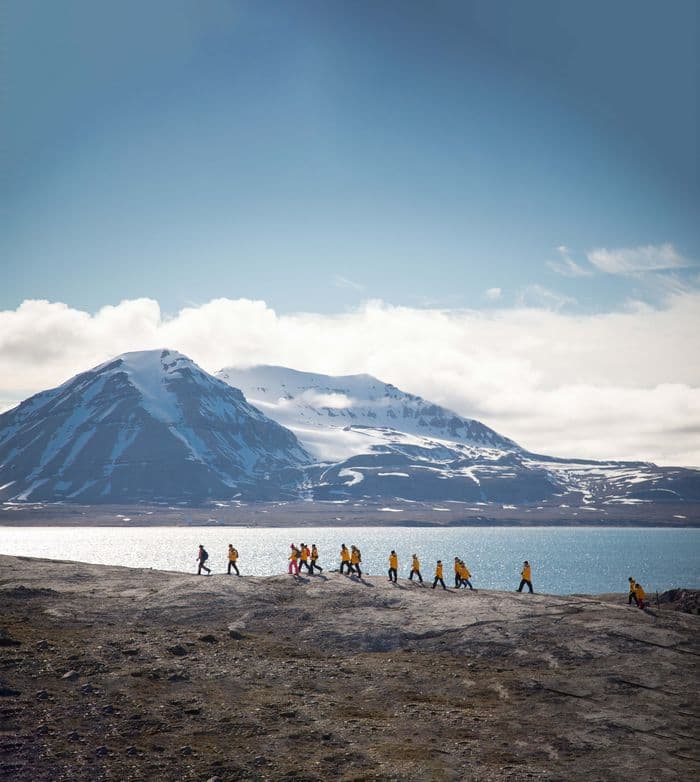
(153, 427)
(432, 453)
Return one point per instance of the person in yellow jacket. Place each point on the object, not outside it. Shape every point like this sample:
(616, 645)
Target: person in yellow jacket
(464, 575)
(232, 559)
(345, 559)
(525, 577)
(438, 575)
(415, 569)
(639, 594)
(314, 559)
(355, 559)
(631, 597)
(304, 554)
(294, 560)
(458, 572)
(393, 566)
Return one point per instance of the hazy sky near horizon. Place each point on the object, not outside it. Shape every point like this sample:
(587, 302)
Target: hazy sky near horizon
(524, 165)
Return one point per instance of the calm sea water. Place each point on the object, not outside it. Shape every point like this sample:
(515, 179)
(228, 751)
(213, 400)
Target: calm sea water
(564, 560)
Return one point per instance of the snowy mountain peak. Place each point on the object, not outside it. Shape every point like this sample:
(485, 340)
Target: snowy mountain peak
(339, 416)
(146, 425)
(158, 376)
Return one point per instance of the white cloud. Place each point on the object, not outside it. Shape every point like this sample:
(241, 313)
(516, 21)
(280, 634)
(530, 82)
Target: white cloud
(333, 400)
(539, 296)
(635, 260)
(566, 266)
(343, 282)
(614, 385)
(493, 294)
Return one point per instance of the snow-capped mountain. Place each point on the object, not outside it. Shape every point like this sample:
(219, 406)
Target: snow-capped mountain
(374, 441)
(148, 426)
(153, 427)
(339, 417)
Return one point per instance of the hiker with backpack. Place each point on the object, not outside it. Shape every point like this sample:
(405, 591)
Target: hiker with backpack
(464, 575)
(293, 560)
(355, 559)
(304, 554)
(415, 569)
(314, 558)
(345, 559)
(232, 559)
(458, 573)
(525, 577)
(439, 575)
(393, 566)
(202, 557)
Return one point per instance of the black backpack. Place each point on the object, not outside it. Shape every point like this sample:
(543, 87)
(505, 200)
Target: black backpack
(205, 555)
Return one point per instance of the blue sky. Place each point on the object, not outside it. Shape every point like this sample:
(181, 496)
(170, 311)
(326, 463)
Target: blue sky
(319, 154)
(491, 203)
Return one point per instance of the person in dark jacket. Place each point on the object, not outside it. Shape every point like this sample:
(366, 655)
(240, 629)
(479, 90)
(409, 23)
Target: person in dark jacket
(202, 557)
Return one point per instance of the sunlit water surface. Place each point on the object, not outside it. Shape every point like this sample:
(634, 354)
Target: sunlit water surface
(564, 560)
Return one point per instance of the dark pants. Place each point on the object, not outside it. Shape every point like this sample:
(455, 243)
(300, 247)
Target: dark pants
(439, 580)
(417, 572)
(356, 569)
(522, 584)
(632, 598)
(202, 567)
(304, 563)
(232, 564)
(467, 583)
(346, 565)
(458, 581)
(314, 565)
(393, 574)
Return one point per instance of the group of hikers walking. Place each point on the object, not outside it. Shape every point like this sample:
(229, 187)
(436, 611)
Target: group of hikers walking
(305, 556)
(203, 556)
(350, 560)
(462, 574)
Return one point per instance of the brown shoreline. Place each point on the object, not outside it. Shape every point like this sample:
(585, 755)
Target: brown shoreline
(320, 514)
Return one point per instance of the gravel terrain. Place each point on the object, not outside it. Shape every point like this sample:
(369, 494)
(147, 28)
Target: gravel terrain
(108, 673)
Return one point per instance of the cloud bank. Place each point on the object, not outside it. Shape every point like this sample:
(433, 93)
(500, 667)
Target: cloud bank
(620, 385)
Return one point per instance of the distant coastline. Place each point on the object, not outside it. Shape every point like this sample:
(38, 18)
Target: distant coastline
(345, 514)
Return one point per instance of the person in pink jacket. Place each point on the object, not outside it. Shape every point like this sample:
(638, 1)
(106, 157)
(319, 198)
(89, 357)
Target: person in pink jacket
(294, 560)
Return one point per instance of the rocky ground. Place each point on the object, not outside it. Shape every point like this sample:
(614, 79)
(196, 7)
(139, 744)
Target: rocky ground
(108, 673)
